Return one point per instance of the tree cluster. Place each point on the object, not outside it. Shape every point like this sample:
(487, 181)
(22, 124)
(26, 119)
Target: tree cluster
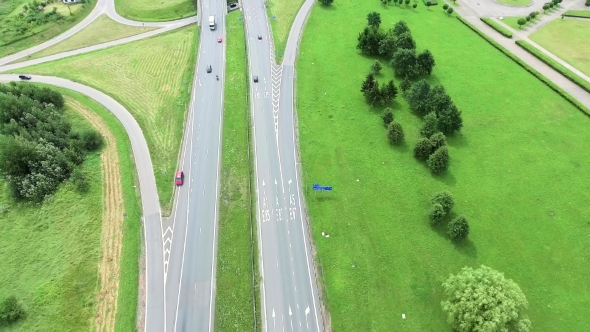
(38, 149)
(425, 100)
(10, 311)
(483, 299)
(378, 94)
(440, 210)
(397, 45)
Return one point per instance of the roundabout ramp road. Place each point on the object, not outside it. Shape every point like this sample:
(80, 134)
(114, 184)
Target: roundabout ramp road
(149, 194)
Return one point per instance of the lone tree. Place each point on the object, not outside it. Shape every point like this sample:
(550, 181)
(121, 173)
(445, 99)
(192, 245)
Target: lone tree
(428, 4)
(326, 2)
(407, 3)
(458, 229)
(10, 311)
(484, 300)
(374, 19)
(423, 149)
(445, 7)
(522, 21)
(450, 11)
(438, 162)
(376, 67)
(387, 116)
(395, 133)
(416, 5)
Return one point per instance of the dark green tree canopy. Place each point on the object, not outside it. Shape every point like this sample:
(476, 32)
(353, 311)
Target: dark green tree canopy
(438, 162)
(395, 133)
(404, 62)
(417, 97)
(458, 229)
(423, 149)
(429, 127)
(425, 62)
(374, 19)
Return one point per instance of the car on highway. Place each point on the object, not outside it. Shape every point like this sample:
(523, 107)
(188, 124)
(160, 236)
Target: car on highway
(259, 37)
(255, 79)
(209, 69)
(219, 39)
(179, 179)
(24, 77)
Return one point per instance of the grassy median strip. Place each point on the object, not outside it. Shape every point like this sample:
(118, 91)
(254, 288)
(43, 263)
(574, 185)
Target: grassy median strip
(132, 230)
(281, 14)
(234, 306)
(528, 68)
(156, 10)
(577, 13)
(555, 65)
(502, 30)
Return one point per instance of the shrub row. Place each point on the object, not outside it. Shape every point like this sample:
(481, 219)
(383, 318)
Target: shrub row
(497, 27)
(578, 13)
(528, 68)
(582, 83)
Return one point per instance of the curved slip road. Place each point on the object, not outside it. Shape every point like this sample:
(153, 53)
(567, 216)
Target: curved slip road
(149, 194)
(290, 300)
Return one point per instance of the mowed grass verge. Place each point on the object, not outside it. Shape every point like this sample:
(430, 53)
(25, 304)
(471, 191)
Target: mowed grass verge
(234, 305)
(284, 12)
(568, 39)
(516, 173)
(47, 31)
(102, 30)
(50, 252)
(152, 78)
(155, 10)
(132, 229)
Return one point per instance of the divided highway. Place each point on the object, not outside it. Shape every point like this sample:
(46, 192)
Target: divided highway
(290, 300)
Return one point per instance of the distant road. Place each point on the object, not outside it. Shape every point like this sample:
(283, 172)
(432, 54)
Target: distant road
(290, 300)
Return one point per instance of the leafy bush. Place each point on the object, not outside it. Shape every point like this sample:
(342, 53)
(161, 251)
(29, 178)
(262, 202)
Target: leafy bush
(395, 133)
(458, 229)
(423, 149)
(484, 300)
(429, 126)
(445, 199)
(91, 140)
(417, 97)
(387, 116)
(376, 67)
(437, 214)
(79, 180)
(11, 311)
(437, 140)
(438, 162)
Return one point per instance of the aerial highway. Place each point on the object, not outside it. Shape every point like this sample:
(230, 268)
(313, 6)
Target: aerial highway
(190, 234)
(290, 300)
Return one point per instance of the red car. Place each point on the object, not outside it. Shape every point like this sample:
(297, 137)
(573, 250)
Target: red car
(219, 40)
(179, 178)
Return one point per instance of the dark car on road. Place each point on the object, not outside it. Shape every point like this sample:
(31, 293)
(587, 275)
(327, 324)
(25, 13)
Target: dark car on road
(255, 79)
(209, 69)
(259, 37)
(24, 77)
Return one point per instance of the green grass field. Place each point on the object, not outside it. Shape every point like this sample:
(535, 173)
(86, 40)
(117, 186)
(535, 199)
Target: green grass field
(102, 30)
(152, 78)
(568, 39)
(40, 34)
(516, 3)
(132, 230)
(284, 12)
(155, 10)
(234, 297)
(49, 253)
(516, 173)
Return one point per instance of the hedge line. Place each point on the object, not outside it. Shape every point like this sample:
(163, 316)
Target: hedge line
(582, 83)
(505, 32)
(577, 13)
(528, 68)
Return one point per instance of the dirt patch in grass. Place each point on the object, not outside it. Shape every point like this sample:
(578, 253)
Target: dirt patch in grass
(112, 219)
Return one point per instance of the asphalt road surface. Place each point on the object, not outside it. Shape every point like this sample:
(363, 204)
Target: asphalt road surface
(290, 300)
(190, 234)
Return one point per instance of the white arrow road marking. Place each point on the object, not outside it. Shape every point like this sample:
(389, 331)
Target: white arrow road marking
(274, 323)
(291, 317)
(307, 313)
